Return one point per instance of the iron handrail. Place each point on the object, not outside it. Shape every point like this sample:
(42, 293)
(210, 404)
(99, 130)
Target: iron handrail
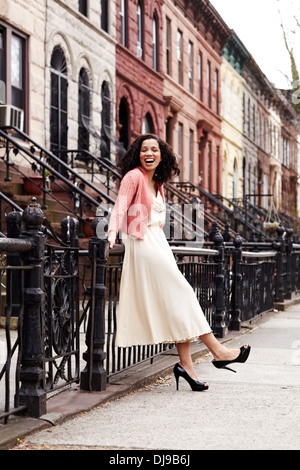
(51, 169)
(103, 162)
(222, 207)
(15, 245)
(184, 198)
(119, 249)
(205, 193)
(46, 224)
(185, 250)
(260, 254)
(10, 202)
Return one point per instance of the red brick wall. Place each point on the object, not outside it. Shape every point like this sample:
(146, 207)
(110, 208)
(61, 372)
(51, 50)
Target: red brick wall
(136, 80)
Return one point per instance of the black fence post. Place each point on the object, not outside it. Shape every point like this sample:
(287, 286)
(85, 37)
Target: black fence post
(236, 292)
(219, 325)
(213, 231)
(94, 376)
(289, 249)
(13, 224)
(279, 245)
(227, 236)
(32, 372)
(69, 231)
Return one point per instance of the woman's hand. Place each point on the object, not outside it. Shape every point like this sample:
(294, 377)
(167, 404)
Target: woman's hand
(112, 238)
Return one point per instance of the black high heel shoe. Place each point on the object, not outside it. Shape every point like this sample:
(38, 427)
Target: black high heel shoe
(242, 357)
(195, 385)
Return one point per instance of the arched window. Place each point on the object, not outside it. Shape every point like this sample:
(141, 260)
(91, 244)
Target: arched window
(148, 127)
(235, 180)
(124, 123)
(59, 103)
(179, 56)
(155, 48)
(140, 30)
(244, 178)
(123, 22)
(104, 15)
(224, 102)
(105, 120)
(84, 105)
(249, 179)
(82, 6)
(224, 174)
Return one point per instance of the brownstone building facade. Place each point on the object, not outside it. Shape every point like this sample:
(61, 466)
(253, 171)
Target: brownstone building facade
(149, 65)
(168, 60)
(139, 79)
(272, 129)
(194, 37)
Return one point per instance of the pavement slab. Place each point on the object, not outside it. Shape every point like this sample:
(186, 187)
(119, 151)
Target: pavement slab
(256, 408)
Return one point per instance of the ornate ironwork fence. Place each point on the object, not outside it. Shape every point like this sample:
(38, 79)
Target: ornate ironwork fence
(233, 282)
(60, 311)
(42, 297)
(10, 351)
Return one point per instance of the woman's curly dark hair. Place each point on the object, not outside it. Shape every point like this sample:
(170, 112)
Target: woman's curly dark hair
(166, 170)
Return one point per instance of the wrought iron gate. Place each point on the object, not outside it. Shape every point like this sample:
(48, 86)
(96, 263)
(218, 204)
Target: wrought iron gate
(60, 316)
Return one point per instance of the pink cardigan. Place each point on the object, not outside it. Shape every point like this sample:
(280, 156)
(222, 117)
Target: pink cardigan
(133, 205)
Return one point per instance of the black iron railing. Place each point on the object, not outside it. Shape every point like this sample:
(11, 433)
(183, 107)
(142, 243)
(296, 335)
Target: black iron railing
(11, 356)
(62, 182)
(101, 171)
(201, 267)
(60, 311)
(234, 282)
(224, 210)
(56, 181)
(257, 283)
(41, 298)
(6, 205)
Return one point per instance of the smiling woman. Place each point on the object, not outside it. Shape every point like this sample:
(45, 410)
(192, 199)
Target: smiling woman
(166, 170)
(145, 167)
(156, 303)
(150, 158)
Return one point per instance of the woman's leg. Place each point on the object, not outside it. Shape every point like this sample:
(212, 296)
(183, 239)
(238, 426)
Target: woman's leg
(185, 358)
(219, 351)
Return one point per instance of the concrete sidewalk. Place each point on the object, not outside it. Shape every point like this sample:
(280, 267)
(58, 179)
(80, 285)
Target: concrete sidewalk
(256, 408)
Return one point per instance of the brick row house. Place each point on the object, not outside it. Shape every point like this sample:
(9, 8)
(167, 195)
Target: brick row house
(235, 164)
(94, 75)
(139, 80)
(270, 145)
(194, 36)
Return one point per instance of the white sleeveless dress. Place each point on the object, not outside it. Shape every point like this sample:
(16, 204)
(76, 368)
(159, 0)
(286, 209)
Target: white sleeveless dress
(156, 303)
